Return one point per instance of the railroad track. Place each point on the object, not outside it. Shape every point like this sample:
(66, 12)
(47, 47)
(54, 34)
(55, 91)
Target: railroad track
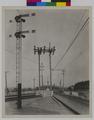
(55, 100)
(62, 103)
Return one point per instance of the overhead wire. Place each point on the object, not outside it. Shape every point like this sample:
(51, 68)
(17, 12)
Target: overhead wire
(70, 45)
(76, 58)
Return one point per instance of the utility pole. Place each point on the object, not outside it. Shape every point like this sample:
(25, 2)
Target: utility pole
(50, 66)
(50, 50)
(60, 83)
(19, 35)
(6, 88)
(63, 78)
(34, 83)
(43, 50)
(42, 69)
(47, 82)
(39, 68)
(63, 71)
(39, 51)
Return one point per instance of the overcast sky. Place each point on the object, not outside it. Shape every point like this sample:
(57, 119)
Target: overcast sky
(58, 27)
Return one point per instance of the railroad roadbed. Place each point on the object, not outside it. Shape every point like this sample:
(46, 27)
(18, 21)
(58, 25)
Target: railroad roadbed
(38, 106)
(79, 106)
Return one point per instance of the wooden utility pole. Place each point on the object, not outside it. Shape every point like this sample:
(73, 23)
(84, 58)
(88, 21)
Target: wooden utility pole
(6, 87)
(63, 79)
(34, 83)
(42, 69)
(39, 51)
(43, 50)
(50, 67)
(63, 71)
(50, 50)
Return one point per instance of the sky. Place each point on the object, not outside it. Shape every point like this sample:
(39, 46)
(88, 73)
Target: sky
(59, 27)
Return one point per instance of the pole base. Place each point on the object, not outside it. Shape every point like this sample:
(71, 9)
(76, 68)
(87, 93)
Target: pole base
(19, 103)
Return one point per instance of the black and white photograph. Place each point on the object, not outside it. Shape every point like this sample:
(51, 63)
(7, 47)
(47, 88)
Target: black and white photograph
(46, 54)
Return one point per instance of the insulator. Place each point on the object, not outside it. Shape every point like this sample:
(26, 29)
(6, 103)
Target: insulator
(10, 35)
(44, 49)
(34, 49)
(23, 36)
(40, 50)
(54, 48)
(10, 21)
(33, 31)
(18, 18)
(50, 50)
(18, 34)
(23, 20)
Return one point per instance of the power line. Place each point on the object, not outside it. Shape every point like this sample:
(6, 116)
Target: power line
(76, 58)
(70, 45)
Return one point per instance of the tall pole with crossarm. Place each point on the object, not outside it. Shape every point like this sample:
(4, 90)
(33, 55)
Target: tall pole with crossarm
(42, 69)
(63, 78)
(19, 35)
(39, 51)
(44, 50)
(50, 66)
(6, 87)
(51, 51)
